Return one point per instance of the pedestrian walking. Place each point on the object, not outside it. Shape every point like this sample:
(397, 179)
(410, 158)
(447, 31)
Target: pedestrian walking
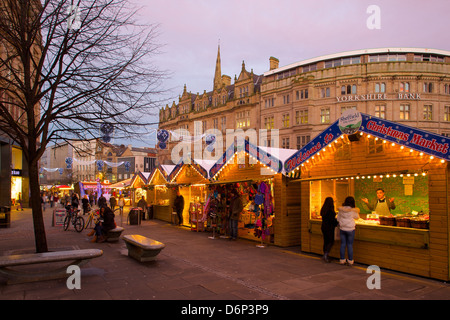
(179, 206)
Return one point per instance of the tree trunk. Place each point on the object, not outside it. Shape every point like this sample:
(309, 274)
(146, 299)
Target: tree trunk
(38, 217)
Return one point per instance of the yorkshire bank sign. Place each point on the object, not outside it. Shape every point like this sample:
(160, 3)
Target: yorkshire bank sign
(378, 97)
(353, 121)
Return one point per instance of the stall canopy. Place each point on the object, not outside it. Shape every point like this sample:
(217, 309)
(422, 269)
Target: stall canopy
(269, 157)
(63, 187)
(139, 179)
(353, 121)
(121, 184)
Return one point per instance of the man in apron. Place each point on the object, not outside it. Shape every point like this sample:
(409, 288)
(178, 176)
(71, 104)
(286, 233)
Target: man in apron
(382, 206)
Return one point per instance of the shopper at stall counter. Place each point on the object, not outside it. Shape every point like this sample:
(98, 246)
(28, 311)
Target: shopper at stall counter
(329, 223)
(347, 214)
(236, 209)
(179, 206)
(382, 205)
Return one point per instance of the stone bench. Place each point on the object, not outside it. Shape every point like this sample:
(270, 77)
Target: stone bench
(76, 257)
(142, 248)
(113, 235)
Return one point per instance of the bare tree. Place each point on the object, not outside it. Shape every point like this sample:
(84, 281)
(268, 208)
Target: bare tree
(66, 68)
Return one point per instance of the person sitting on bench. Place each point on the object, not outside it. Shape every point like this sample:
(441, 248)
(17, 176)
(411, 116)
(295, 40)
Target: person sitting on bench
(105, 223)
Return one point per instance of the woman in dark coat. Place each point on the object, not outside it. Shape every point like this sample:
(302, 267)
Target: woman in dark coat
(329, 222)
(106, 223)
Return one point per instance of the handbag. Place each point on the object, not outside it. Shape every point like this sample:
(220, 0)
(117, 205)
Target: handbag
(337, 233)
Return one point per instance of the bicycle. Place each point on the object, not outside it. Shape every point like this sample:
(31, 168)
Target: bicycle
(72, 217)
(94, 215)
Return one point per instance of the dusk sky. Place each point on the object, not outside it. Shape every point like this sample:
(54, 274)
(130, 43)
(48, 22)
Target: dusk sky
(290, 30)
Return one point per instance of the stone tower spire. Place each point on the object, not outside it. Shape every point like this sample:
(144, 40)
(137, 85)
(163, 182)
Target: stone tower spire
(218, 73)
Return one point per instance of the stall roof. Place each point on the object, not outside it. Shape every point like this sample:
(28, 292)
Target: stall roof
(144, 176)
(121, 184)
(262, 154)
(353, 121)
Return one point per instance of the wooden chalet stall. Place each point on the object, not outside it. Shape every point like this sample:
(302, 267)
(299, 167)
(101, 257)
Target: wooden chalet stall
(256, 171)
(137, 184)
(355, 156)
(158, 194)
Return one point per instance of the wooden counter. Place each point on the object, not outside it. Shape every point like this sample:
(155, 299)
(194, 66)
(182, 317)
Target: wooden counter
(162, 212)
(396, 236)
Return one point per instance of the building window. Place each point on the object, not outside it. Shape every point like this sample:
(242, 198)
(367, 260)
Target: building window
(380, 87)
(428, 87)
(428, 112)
(285, 143)
(223, 123)
(302, 141)
(301, 116)
(380, 112)
(286, 99)
(269, 102)
(348, 89)
(204, 127)
(216, 123)
(269, 122)
(404, 87)
(243, 119)
(325, 92)
(447, 113)
(405, 112)
(301, 94)
(325, 115)
(286, 120)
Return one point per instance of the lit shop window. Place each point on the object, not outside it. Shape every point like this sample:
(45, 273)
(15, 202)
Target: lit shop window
(325, 115)
(447, 113)
(269, 122)
(428, 112)
(286, 118)
(380, 112)
(405, 112)
(301, 116)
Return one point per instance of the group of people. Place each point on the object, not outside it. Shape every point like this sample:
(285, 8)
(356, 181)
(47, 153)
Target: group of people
(345, 219)
(236, 207)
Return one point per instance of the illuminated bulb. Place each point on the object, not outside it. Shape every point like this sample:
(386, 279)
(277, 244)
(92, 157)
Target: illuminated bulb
(442, 161)
(431, 158)
(421, 154)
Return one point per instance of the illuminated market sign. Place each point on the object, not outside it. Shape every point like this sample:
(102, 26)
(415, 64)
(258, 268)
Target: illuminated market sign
(353, 121)
(378, 96)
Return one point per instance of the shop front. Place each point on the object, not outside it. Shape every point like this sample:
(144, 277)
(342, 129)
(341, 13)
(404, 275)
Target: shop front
(363, 157)
(158, 193)
(189, 180)
(255, 174)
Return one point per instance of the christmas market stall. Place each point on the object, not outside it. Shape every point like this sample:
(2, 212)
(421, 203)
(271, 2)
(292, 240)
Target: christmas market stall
(255, 173)
(158, 193)
(137, 184)
(189, 179)
(407, 228)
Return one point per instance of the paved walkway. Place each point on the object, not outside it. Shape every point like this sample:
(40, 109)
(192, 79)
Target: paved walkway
(195, 267)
